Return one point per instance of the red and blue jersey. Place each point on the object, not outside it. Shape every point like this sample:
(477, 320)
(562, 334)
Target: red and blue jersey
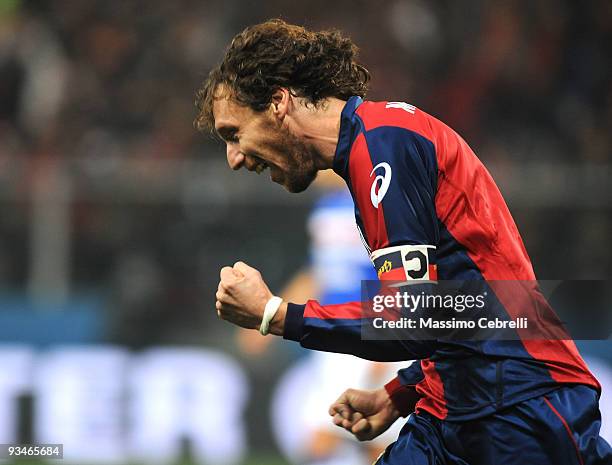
(415, 182)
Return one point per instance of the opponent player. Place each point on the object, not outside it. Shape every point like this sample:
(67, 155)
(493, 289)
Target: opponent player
(290, 100)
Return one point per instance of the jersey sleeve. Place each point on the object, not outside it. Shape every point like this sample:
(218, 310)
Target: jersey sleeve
(402, 388)
(407, 208)
(393, 173)
(394, 181)
(337, 328)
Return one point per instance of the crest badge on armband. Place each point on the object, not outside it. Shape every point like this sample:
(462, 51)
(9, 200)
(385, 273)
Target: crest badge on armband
(406, 263)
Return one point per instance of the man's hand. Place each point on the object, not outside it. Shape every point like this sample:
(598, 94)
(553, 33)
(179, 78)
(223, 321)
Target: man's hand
(365, 414)
(242, 296)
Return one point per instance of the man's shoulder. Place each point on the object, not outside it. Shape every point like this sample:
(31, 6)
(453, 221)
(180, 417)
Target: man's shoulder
(395, 114)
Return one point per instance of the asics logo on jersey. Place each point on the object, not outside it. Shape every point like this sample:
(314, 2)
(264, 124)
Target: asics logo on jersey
(377, 192)
(402, 106)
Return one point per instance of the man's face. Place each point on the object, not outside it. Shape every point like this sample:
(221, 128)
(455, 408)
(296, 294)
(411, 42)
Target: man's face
(256, 141)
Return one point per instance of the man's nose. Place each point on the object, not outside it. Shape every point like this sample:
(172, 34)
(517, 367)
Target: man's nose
(235, 158)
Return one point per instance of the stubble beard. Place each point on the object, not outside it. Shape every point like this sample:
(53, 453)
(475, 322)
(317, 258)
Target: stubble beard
(301, 171)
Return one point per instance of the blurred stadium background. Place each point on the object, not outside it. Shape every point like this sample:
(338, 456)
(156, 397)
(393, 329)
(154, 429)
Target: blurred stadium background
(117, 216)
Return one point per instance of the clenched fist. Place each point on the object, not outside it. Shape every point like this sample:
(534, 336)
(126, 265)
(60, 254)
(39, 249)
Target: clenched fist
(242, 296)
(365, 414)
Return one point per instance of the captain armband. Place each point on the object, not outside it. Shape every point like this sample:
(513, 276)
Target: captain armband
(406, 263)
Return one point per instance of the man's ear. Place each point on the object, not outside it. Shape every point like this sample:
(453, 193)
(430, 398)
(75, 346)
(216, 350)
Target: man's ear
(281, 100)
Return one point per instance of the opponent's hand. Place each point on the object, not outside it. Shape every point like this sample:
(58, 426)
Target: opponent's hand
(242, 295)
(365, 414)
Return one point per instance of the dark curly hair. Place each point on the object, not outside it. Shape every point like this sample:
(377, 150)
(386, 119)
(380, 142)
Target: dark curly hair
(274, 54)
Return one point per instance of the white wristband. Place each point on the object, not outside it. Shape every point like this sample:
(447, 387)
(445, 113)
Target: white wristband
(271, 308)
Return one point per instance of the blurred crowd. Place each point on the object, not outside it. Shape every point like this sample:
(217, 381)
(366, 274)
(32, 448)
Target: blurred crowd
(517, 78)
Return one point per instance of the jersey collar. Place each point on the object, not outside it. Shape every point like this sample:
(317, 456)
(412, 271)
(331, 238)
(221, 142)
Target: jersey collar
(349, 129)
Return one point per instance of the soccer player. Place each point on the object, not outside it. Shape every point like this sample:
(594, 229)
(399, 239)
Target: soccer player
(290, 100)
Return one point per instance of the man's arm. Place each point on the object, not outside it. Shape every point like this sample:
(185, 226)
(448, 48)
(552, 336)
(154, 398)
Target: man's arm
(367, 414)
(301, 287)
(337, 328)
(242, 296)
